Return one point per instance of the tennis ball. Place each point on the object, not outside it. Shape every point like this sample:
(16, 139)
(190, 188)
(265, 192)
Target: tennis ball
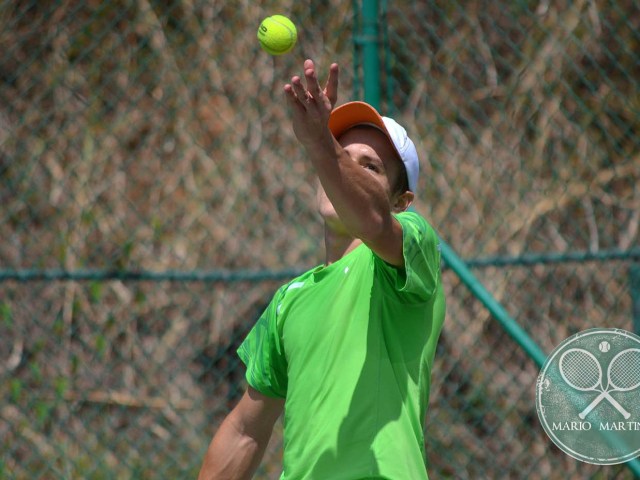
(277, 35)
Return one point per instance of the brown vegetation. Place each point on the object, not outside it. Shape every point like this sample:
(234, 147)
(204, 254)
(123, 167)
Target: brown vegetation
(142, 136)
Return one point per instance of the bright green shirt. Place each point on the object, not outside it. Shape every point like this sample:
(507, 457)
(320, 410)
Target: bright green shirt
(350, 347)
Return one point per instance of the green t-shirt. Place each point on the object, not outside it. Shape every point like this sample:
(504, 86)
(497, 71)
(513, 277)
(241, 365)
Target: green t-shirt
(350, 347)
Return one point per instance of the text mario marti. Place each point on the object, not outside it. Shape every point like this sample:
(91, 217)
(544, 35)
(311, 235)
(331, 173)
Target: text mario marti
(611, 426)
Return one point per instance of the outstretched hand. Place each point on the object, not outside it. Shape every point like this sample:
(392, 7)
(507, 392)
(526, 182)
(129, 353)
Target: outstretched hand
(311, 105)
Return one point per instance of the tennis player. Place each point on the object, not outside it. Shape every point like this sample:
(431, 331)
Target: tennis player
(345, 349)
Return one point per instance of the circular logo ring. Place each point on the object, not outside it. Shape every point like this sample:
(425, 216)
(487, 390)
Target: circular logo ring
(586, 396)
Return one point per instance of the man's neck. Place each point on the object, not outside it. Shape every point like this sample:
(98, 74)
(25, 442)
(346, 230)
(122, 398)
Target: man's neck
(337, 245)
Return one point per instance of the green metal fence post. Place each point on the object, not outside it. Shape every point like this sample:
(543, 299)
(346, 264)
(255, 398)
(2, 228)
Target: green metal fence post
(495, 308)
(370, 40)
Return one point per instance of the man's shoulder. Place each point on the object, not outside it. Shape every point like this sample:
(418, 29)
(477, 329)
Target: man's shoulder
(295, 282)
(414, 218)
(415, 225)
(327, 274)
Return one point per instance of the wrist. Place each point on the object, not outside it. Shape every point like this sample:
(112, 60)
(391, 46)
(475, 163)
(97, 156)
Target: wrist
(321, 145)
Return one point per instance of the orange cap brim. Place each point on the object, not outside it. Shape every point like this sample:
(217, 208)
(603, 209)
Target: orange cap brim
(351, 114)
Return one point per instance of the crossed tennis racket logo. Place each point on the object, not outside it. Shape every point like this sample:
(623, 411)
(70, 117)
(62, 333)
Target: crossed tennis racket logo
(581, 370)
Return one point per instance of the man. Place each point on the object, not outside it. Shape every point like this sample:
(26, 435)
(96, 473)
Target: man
(345, 349)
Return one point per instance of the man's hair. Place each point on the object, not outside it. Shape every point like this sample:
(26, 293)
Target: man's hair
(401, 184)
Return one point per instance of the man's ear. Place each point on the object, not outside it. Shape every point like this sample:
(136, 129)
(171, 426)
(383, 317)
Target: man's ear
(402, 201)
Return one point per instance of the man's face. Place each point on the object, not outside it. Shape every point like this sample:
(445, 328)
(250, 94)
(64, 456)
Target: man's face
(371, 149)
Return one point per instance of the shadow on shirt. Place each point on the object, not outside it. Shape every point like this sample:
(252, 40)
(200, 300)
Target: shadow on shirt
(381, 436)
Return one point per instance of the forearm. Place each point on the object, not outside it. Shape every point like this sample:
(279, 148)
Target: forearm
(232, 454)
(356, 183)
(359, 201)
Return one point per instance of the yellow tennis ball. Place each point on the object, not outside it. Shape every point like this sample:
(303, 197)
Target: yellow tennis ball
(277, 35)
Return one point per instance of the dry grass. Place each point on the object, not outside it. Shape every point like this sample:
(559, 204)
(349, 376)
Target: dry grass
(143, 135)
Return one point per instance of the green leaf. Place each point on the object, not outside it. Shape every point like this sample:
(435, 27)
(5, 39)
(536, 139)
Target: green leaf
(42, 411)
(15, 387)
(36, 371)
(101, 345)
(5, 314)
(58, 326)
(75, 363)
(95, 292)
(61, 385)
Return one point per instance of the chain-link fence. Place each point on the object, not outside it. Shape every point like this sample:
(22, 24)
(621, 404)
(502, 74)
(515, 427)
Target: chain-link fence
(153, 197)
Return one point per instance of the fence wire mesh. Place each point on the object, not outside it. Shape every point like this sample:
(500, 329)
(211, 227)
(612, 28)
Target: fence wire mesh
(153, 198)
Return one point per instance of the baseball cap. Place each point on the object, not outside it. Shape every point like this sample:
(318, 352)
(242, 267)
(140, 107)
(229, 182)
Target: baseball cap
(350, 114)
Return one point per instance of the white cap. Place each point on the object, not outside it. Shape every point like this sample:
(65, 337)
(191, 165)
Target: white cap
(352, 114)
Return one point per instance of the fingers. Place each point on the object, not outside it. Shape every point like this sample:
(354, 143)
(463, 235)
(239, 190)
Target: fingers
(313, 86)
(292, 97)
(299, 90)
(296, 91)
(289, 93)
(331, 88)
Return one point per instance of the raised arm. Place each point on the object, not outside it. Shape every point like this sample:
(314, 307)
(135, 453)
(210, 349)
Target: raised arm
(361, 203)
(239, 444)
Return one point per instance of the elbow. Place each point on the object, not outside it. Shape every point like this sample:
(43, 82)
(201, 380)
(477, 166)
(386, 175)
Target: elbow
(374, 227)
(384, 237)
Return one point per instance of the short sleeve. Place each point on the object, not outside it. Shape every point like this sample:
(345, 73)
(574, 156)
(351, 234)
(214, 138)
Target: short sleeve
(421, 251)
(263, 354)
